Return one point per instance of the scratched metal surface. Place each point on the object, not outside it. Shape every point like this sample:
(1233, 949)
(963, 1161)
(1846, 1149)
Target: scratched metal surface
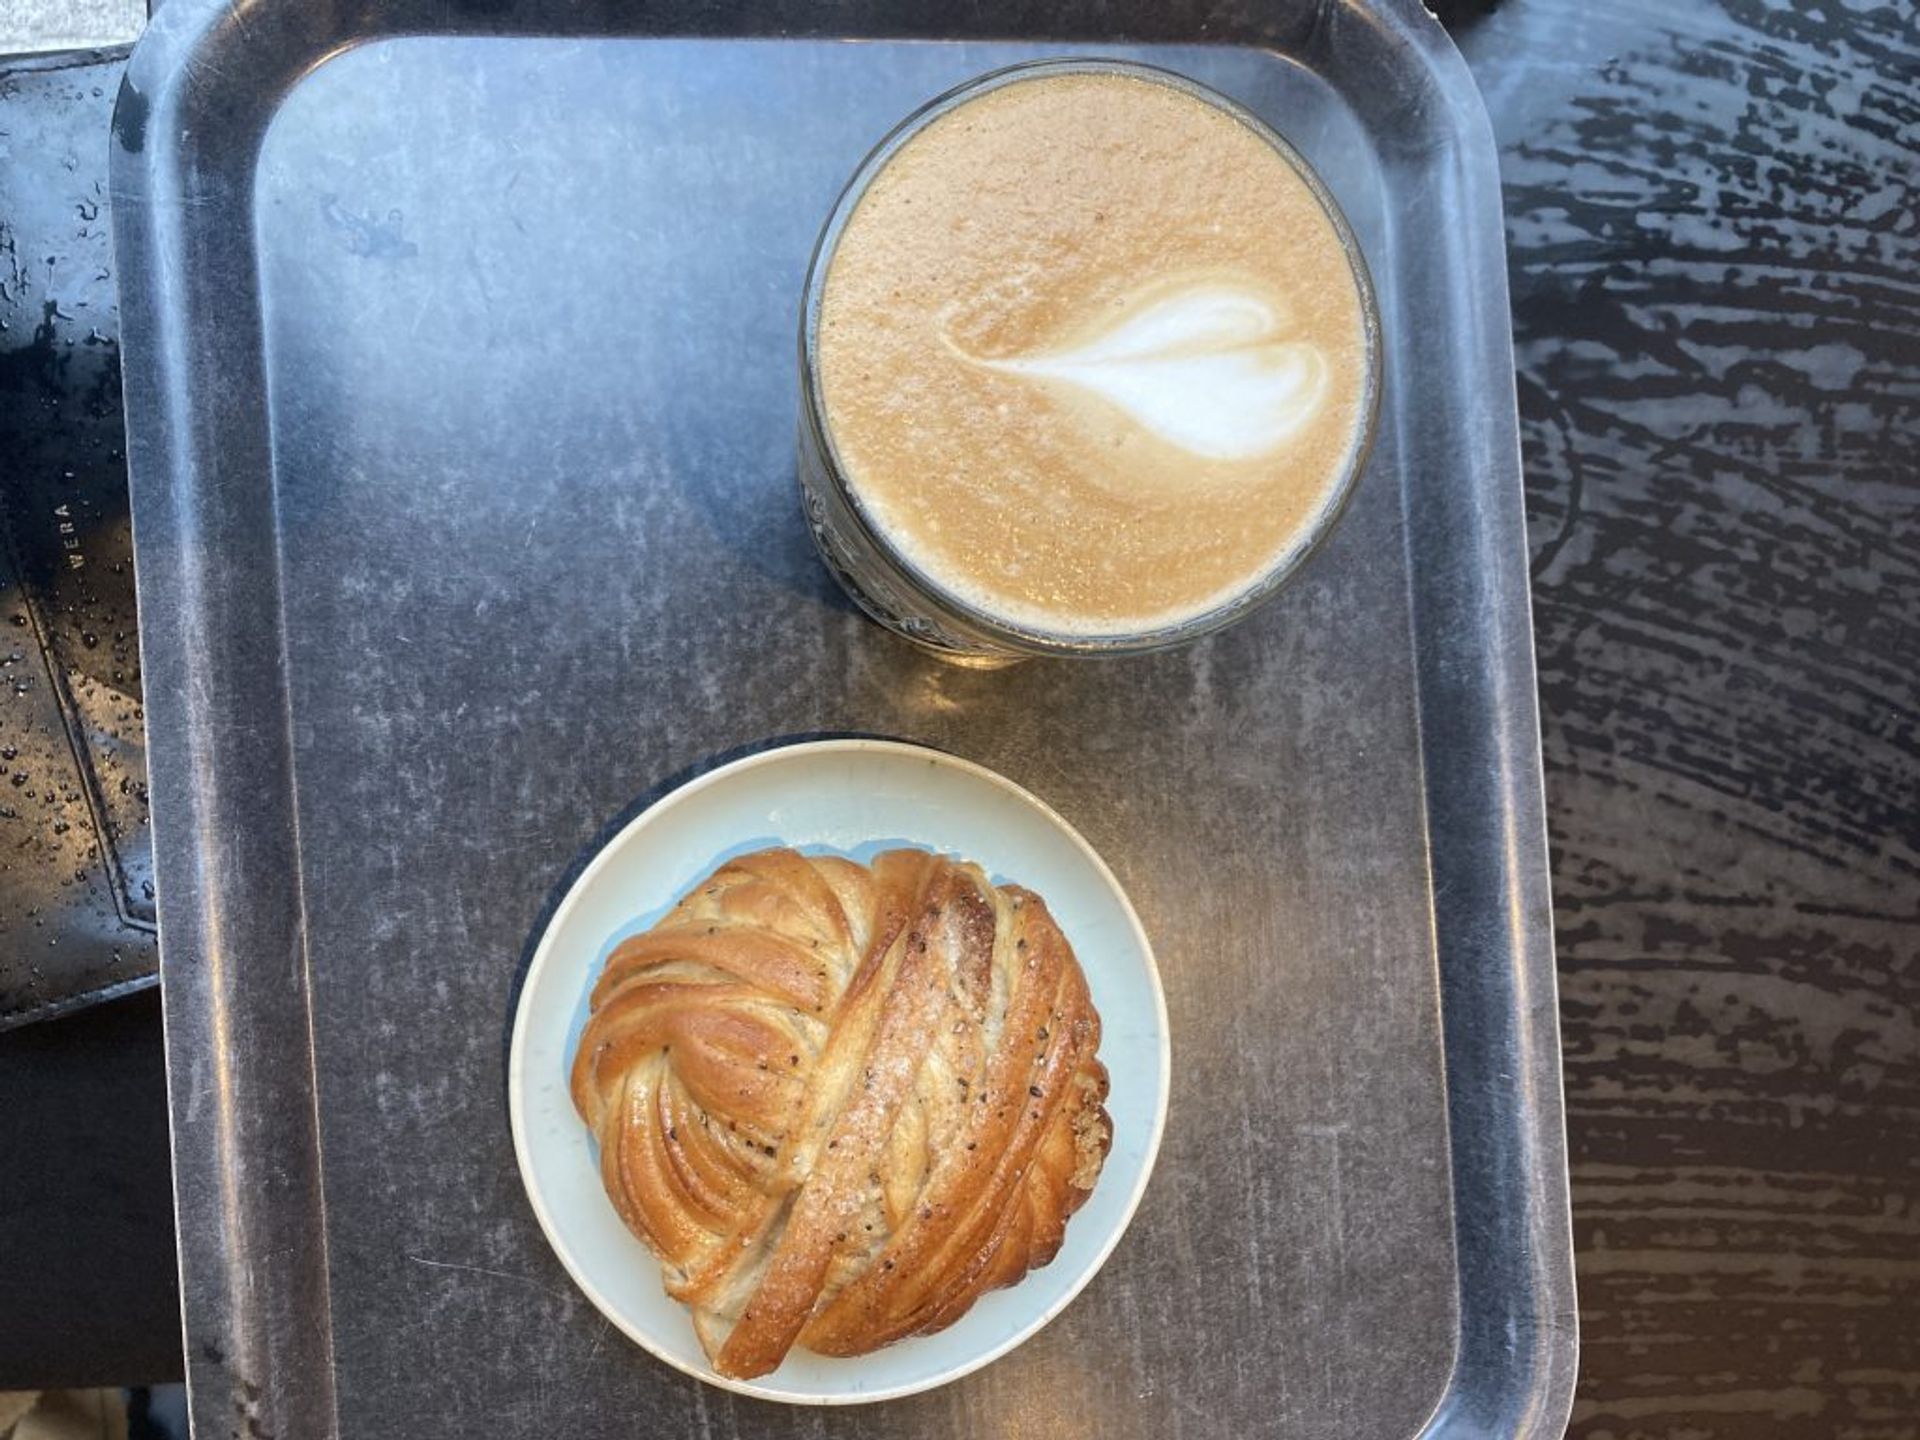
(461, 409)
(1711, 214)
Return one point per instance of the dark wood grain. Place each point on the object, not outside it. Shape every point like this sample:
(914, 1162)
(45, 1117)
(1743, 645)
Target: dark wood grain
(1715, 260)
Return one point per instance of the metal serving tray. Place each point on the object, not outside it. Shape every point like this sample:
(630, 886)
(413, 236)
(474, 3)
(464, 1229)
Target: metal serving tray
(460, 378)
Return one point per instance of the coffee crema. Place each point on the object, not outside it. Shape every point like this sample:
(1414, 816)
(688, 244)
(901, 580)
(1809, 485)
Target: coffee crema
(1092, 354)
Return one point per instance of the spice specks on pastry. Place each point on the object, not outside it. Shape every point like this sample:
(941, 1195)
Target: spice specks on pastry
(928, 1169)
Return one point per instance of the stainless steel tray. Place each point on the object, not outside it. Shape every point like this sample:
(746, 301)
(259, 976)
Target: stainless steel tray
(460, 379)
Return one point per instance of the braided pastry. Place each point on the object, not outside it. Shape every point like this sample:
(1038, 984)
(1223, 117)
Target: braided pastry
(843, 1102)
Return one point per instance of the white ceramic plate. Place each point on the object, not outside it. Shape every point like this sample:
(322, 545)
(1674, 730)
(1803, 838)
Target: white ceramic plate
(855, 798)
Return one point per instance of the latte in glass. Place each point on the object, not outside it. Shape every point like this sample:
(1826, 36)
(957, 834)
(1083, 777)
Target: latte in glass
(1092, 361)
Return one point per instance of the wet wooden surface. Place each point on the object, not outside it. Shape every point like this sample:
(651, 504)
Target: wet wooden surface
(1715, 260)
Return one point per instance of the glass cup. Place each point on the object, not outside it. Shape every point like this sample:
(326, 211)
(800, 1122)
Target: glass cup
(896, 592)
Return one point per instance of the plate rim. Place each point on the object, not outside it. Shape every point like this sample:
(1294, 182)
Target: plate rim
(516, 1061)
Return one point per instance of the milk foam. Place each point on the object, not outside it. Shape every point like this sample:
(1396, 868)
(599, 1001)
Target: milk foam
(1202, 364)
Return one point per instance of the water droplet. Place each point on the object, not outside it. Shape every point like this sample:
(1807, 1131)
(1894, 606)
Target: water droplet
(89, 639)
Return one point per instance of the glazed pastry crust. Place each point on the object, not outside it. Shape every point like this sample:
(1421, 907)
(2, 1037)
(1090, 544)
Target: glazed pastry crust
(841, 1102)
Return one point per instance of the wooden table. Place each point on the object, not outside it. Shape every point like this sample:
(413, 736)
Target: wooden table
(1715, 262)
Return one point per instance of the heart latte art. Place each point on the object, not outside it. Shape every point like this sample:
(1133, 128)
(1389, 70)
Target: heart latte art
(1204, 367)
(1092, 354)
